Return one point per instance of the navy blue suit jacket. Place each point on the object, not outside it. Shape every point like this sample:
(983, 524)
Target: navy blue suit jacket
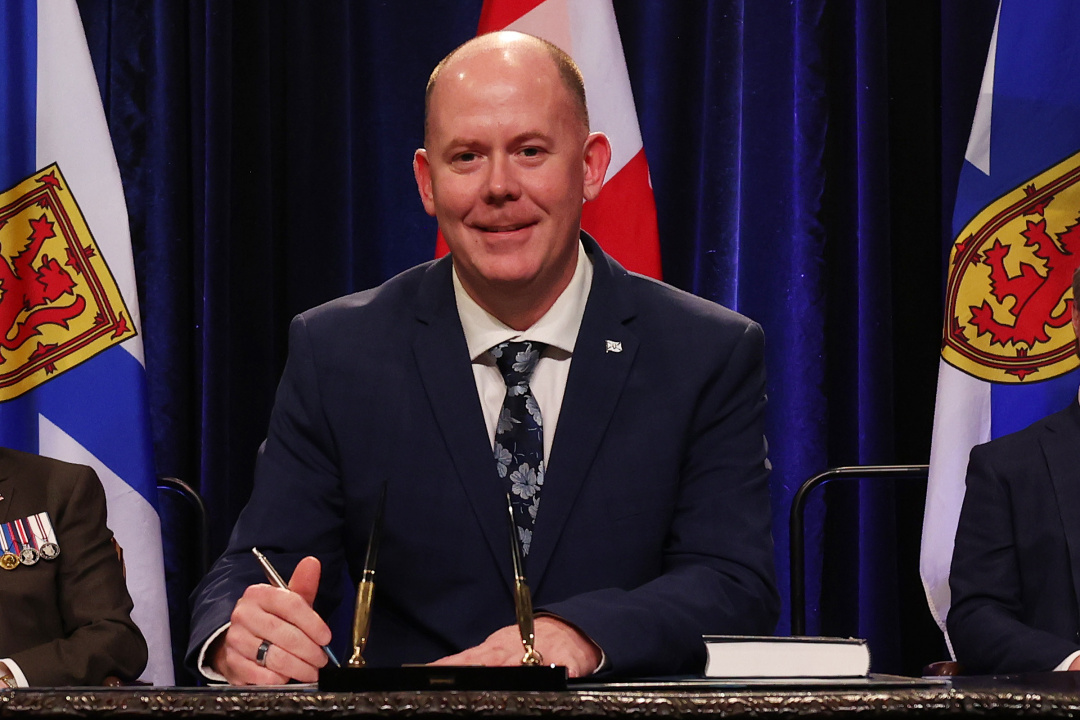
(654, 525)
(1016, 563)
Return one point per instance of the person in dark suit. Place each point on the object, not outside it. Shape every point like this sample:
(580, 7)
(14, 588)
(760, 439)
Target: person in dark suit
(1016, 563)
(65, 612)
(647, 522)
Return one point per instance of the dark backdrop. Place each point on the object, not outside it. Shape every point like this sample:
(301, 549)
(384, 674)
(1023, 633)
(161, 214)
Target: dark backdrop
(803, 153)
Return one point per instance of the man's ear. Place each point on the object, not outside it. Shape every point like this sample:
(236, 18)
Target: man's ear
(422, 172)
(596, 156)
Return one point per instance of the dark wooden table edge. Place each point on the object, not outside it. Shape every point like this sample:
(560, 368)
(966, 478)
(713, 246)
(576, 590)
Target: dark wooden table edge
(762, 702)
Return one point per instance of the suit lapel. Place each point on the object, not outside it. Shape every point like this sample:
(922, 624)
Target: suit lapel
(446, 373)
(1061, 446)
(597, 375)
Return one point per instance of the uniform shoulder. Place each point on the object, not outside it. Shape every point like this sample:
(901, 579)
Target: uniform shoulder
(17, 460)
(52, 477)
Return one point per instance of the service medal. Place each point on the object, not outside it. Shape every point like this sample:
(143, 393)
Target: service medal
(29, 555)
(44, 536)
(8, 559)
(22, 543)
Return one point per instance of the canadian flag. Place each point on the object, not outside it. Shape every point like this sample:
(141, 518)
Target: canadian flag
(623, 217)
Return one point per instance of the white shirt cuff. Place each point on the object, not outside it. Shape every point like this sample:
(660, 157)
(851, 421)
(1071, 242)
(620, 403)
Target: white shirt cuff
(204, 667)
(1064, 664)
(603, 655)
(16, 671)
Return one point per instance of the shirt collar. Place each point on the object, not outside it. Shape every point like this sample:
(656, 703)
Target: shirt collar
(558, 327)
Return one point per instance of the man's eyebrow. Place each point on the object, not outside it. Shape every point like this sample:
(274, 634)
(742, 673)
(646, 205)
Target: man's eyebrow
(471, 142)
(531, 135)
(460, 144)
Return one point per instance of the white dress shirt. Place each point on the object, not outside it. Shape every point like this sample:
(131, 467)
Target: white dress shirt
(558, 329)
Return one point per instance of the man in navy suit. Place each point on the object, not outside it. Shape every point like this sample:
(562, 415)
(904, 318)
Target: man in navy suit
(1016, 562)
(652, 525)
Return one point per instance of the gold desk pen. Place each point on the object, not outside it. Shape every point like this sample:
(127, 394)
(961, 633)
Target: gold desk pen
(522, 597)
(365, 590)
(279, 582)
(531, 674)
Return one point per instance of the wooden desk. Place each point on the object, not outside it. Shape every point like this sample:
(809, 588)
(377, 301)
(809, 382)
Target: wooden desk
(1005, 697)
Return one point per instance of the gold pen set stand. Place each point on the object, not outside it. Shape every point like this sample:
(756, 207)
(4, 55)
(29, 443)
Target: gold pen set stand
(532, 674)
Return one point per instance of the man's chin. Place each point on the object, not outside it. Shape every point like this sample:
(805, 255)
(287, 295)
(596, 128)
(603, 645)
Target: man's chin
(503, 275)
(510, 278)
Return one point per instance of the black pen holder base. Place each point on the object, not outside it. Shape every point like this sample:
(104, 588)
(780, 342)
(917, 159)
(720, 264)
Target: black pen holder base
(452, 677)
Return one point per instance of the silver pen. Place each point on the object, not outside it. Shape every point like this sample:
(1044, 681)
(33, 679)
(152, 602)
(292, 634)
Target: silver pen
(277, 581)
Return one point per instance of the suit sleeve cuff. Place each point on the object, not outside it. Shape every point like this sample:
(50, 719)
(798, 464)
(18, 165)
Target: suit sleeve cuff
(204, 666)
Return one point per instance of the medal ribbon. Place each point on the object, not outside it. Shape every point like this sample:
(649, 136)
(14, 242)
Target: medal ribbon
(44, 536)
(41, 534)
(12, 540)
(26, 539)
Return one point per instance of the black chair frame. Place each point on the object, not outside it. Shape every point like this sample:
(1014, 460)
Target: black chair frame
(796, 529)
(195, 501)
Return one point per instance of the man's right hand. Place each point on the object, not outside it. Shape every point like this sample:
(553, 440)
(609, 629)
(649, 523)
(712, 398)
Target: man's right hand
(286, 620)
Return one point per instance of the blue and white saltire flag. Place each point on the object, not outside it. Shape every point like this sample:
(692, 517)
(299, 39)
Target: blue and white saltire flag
(1008, 350)
(72, 377)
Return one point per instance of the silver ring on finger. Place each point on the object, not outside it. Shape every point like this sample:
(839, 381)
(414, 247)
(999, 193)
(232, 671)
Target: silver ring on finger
(260, 654)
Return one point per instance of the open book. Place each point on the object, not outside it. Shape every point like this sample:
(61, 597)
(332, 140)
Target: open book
(742, 656)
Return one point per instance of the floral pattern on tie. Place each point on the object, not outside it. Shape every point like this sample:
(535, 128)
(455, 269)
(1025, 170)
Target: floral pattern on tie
(519, 434)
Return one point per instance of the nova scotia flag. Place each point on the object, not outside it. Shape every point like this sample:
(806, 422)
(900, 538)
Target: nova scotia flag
(1008, 351)
(76, 390)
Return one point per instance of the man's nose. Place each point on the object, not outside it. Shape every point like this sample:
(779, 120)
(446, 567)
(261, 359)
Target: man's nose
(502, 181)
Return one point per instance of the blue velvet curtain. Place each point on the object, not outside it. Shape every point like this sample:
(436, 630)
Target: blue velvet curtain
(800, 160)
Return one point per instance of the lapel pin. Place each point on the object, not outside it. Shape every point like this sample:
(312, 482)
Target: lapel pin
(613, 346)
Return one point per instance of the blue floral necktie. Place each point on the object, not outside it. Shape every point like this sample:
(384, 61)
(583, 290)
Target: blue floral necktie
(519, 435)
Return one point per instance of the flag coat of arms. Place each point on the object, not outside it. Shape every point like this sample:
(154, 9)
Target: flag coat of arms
(72, 378)
(1008, 350)
(623, 217)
